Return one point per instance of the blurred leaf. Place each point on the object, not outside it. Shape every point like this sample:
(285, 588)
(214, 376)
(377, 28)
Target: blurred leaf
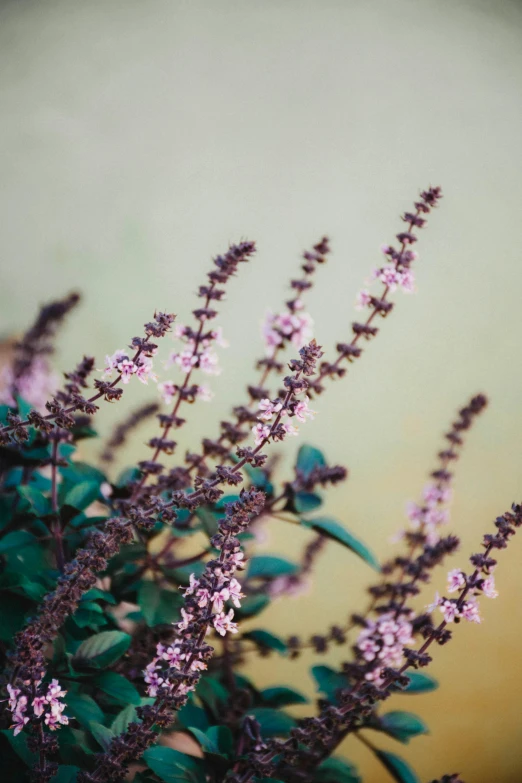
(83, 708)
(191, 715)
(308, 458)
(171, 766)
(16, 539)
(65, 774)
(208, 520)
(270, 567)
(101, 649)
(402, 725)
(267, 639)
(101, 734)
(211, 693)
(272, 722)
(282, 697)
(252, 606)
(38, 503)
(305, 502)
(329, 681)
(336, 770)
(419, 683)
(158, 605)
(118, 687)
(82, 495)
(19, 745)
(334, 530)
(397, 767)
(122, 719)
(217, 740)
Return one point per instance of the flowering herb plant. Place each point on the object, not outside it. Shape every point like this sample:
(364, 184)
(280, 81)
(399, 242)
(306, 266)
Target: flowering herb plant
(117, 648)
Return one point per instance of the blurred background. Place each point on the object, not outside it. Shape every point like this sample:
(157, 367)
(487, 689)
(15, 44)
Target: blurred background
(138, 139)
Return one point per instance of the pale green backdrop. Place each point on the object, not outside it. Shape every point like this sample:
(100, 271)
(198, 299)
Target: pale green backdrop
(138, 138)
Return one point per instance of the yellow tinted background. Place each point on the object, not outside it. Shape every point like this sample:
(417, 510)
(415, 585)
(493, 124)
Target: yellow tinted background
(138, 139)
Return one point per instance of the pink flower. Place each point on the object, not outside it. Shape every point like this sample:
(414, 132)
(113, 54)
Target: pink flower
(407, 281)
(237, 560)
(488, 587)
(470, 611)
(449, 611)
(437, 602)
(302, 411)
(217, 335)
(38, 705)
(261, 431)
(205, 393)
(19, 723)
(390, 277)
(144, 370)
(126, 368)
(186, 360)
(193, 585)
(456, 580)
(290, 428)
(219, 598)
(415, 513)
(362, 299)
(167, 390)
(208, 362)
(112, 362)
(185, 621)
(172, 655)
(223, 623)
(268, 409)
(234, 589)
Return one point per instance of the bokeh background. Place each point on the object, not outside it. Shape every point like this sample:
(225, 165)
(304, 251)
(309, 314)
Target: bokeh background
(139, 138)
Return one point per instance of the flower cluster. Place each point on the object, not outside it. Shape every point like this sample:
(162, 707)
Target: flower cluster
(452, 609)
(270, 408)
(121, 363)
(48, 706)
(381, 643)
(294, 327)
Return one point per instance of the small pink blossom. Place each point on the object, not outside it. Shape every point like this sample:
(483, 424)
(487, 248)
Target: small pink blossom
(407, 281)
(185, 360)
(205, 393)
(260, 431)
(436, 602)
(268, 408)
(390, 277)
(449, 611)
(185, 621)
(470, 611)
(238, 560)
(208, 362)
(167, 391)
(290, 428)
(456, 580)
(302, 411)
(488, 587)
(126, 368)
(362, 299)
(223, 623)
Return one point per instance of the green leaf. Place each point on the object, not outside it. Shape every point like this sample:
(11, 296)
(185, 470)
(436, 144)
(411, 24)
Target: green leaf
(122, 719)
(217, 740)
(282, 697)
(305, 502)
(19, 745)
(65, 774)
(334, 530)
(171, 766)
(252, 606)
(309, 458)
(211, 693)
(272, 723)
(81, 471)
(157, 605)
(329, 681)
(101, 734)
(270, 567)
(402, 725)
(208, 520)
(419, 683)
(101, 649)
(82, 495)
(336, 770)
(117, 687)
(268, 640)
(191, 715)
(84, 709)
(39, 504)
(15, 540)
(397, 767)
